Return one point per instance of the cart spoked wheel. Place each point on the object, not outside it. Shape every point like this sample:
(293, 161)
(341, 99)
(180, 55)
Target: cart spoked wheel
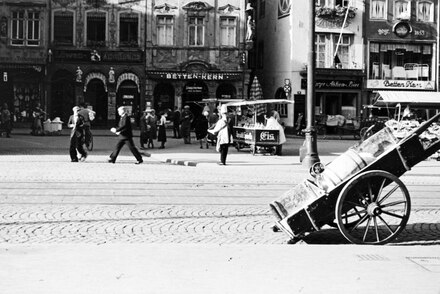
(373, 208)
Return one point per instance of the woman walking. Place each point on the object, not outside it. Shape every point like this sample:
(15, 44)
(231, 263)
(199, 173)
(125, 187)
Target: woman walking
(201, 129)
(151, 121)
(224, 136)
(162, 134)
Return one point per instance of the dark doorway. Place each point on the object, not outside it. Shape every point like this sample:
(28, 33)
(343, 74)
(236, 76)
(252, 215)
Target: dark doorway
(96, 96)
(163, 97)
(128, 96)
(193, 92)
(62, 95)
(226, 91)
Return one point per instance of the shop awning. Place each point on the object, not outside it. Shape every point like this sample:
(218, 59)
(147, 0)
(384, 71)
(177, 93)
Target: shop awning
(416, 98)
(261, 101)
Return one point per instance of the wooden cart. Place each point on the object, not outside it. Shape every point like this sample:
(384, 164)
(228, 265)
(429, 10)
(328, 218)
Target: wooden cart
(369, 204)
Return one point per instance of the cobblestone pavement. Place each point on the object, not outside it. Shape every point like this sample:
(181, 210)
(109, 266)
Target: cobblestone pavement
(98, 224)
(46, 199)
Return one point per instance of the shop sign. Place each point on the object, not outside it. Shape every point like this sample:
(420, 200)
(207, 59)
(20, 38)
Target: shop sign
(400, 84)
(218, 76)
(333, 84)
(105, 56)
(193, 89)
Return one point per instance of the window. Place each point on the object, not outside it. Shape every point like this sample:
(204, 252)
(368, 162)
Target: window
(196, 31)
(128, 29)
(397, 61)
(325, 51)
(425, 11)
(165, 30)
(63, 28)
(96, 29)
(402, 9)
(378, 9)
(227, 31)
(25, 28)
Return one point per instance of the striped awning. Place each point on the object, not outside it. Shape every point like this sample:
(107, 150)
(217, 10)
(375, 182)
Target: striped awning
(407, 97)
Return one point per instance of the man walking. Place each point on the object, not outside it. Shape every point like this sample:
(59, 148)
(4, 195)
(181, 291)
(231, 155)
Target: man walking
(125, 137)
(176, 123)
(88, 116)
(76, 122)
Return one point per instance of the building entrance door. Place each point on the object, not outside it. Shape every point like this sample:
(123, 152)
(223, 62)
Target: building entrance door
(97, 97)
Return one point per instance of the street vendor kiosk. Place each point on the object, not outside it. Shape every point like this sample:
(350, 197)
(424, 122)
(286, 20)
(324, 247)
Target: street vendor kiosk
(248, 132)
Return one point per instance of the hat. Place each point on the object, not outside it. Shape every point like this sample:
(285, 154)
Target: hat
(186, 106)
(224, 109)
(148, 110)
(75, 108)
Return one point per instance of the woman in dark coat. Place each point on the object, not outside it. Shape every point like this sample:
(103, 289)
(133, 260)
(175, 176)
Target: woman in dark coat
(151, 121)
(201, 129)
(143, 128)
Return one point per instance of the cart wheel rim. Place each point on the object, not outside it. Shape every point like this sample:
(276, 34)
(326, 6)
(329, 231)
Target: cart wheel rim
(373, 208)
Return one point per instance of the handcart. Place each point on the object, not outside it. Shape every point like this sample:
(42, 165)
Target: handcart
(253, 134)
(360, 191)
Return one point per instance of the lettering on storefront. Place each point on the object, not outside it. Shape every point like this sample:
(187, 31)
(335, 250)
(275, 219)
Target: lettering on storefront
(333, 84)
(400, 84)
(195, 76)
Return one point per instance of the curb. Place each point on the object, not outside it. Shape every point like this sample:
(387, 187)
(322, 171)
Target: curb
(181, 162)
(172, 161)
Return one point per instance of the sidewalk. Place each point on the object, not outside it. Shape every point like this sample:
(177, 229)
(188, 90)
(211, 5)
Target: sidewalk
(194, 269)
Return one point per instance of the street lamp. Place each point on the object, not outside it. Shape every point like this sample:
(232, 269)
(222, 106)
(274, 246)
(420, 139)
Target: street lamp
(310, 143)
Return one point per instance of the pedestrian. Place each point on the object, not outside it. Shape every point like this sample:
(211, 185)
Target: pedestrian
(37, 114)
(151, 121)
(162, 134)
(201, 129)
(6, 122)
(88, 116)
(76, 122)
(224, 136)
(176, 123)
(186, 119)
(125, 133)
(144, 129)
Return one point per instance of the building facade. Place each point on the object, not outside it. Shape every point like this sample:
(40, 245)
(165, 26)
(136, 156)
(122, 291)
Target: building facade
(23, 55)
(195, 51)
(401, 45)
(281, 54)
(96, 56)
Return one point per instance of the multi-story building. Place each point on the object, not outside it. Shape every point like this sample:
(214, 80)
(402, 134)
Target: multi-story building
(283, 34)
(96, 55)
(23, 55)
(195, 51)
(401, 45)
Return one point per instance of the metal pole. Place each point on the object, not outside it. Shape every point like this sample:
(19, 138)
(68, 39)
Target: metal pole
(310, 143)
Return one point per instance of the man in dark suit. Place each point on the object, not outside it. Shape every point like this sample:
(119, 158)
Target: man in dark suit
(125, 137)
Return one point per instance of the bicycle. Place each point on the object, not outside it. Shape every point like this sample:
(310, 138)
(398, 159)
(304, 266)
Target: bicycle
(88, 140)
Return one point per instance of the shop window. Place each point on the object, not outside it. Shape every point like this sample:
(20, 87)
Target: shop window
(25, 28)
(63, 28)
(326, 45)
(378, 9)
(196, 30)
(400, 61)
(96, 29)
(165, 30)
(425, 11)
(349, 105)
(402, 9)
(228, 29)
(128, 29)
